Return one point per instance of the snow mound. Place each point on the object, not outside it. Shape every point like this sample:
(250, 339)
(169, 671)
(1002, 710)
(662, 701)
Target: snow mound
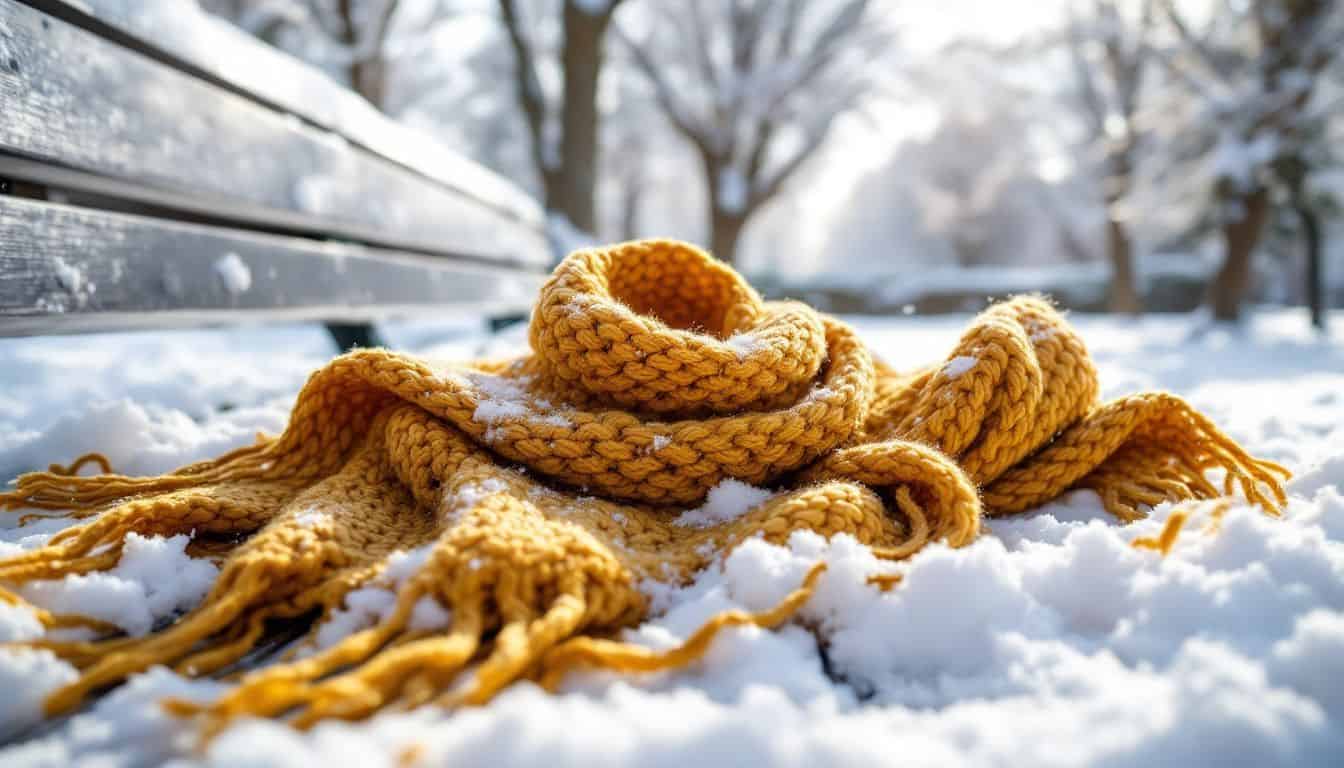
(373, 603)
(728, 500)
(234, 273)
(1050, 641)
(154, 579)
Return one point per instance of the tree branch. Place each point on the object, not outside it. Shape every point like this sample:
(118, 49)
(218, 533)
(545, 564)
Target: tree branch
(1198, 45)
(530, 96)
(814, 138)
(383, 26)
(1094, 105)
(662, 91)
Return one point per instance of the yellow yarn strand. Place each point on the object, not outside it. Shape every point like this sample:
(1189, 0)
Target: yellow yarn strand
(544, 489)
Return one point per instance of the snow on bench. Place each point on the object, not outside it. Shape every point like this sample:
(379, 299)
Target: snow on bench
(218, 180)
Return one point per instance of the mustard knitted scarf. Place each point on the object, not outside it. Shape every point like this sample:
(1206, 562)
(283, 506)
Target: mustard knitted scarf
(541, 490)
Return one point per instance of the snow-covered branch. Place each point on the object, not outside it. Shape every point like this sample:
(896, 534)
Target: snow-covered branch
(755, 87)
(530, 95)
(1267, 57)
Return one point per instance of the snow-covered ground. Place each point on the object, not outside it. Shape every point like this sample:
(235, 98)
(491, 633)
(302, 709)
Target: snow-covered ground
(1050, 642)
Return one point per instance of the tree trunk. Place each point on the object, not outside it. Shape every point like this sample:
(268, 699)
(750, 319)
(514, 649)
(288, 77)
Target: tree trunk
(725, 221)
(726, 230)
(630, 202)
(369, 79)
(1124, 293)
(1240, 236)
(1311, 239)
(581, 62)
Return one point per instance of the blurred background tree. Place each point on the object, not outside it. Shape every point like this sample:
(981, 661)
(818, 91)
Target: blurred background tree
(755, 86)
(563, 125)
(1254, 69)
(348, 38)
(1110, 53)
(1124, 154)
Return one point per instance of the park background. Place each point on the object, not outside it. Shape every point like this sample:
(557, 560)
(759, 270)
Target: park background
(880, 156)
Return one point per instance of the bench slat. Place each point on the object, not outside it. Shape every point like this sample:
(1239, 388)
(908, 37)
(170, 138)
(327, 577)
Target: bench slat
(98, 117)
(67, 269)
(196, 42)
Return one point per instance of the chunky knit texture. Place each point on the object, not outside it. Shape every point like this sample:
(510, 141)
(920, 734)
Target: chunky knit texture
(545, 488)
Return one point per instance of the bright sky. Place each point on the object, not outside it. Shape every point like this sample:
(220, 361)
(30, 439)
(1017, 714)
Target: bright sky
(934, 23)
(937, 22)
(925, 26)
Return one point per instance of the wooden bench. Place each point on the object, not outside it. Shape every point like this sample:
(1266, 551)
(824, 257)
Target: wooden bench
(152, 184)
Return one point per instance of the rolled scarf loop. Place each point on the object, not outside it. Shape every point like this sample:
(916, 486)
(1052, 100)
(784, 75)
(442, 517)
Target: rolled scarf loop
(540, 491)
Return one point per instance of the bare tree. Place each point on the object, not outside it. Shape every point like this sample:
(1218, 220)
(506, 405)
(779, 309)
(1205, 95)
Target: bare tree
(566, 159)
(968, 179)
(1109, 55)
(362, 27)
(630, 176)
(756, 87)
(350, 36)
(1257, 83)
(1310, 150)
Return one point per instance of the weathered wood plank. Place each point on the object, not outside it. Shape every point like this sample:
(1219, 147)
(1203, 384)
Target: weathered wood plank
(74, 101)
(191, 39)
(64, 269)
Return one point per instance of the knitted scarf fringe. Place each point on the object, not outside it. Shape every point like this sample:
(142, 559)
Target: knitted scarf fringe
(542, 490)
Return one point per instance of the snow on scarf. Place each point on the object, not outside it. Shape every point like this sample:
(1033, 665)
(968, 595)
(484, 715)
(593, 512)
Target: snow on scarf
(539, 492)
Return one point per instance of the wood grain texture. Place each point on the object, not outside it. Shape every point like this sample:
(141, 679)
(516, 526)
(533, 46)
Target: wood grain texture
(66, 269)
(76, 101)
(207, 48)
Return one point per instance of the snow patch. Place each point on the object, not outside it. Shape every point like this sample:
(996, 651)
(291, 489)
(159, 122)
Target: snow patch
(592, 7)
(127, 727)
(492, 411)
(154, 579)
(958, 366)
(27, 676)
(500, 398)
(728, 500)
(312, 517)
(17, 622)
(564, 237)
(374, 603)
(503, 398)
(234, 273)
(1238, 159)
(69, 276)
(1050, 626)
(732, 190)
(1311, 660)
(745, 344)
(469, 495)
